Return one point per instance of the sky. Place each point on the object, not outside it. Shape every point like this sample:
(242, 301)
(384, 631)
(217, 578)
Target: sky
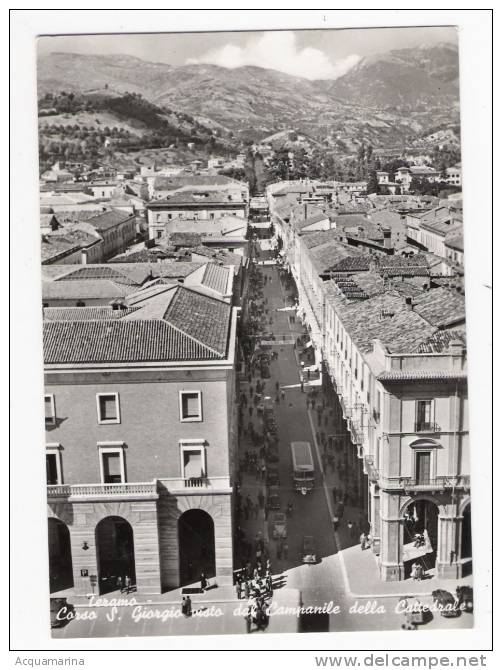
(313, 54)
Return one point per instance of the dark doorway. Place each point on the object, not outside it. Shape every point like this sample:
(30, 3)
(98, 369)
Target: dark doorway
(115, 553)
(60, 562)
(466, 542)
(196, 542)
(421, 519)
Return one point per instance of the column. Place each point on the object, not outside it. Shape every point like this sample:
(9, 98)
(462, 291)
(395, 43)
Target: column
(448, 563)
(375, 518)
(223, 540)
(83, 548)
(391, 540)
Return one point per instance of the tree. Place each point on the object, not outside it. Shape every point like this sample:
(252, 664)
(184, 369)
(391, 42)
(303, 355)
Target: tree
(373, 185)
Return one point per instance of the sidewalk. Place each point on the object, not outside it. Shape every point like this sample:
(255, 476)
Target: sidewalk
(209, 617)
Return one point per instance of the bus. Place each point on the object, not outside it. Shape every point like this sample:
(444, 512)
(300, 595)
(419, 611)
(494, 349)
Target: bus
(303, 467)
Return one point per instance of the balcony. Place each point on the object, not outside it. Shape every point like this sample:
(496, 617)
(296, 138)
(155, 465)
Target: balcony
(371, 470)
(89, 492)
(355, 432)
(427, 427)
(137, 490)
(195, 484)
(346, 411)
(438, 483)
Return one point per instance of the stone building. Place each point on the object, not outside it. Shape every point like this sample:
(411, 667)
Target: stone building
(140, 435)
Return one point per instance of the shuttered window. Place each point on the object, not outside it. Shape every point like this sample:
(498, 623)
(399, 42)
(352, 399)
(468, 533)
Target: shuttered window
(50, 414)
(192, 463)
(112, 472)
(51, 469)
(108, 408)
(190, 406)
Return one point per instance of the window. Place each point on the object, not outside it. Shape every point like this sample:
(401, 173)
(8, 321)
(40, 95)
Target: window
(169, 216)
(50, 409)
(159, 234)
(53, 465)
(193, 459)
(425, 415)
(423, 467)
(190, 406)
(108, 407)
(111, 464)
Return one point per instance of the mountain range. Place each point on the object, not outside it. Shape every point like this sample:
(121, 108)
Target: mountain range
(383, 99)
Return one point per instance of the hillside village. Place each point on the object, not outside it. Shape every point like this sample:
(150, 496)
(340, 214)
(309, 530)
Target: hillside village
(207, 303)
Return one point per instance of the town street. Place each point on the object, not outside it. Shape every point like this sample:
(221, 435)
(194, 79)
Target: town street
(346, 576)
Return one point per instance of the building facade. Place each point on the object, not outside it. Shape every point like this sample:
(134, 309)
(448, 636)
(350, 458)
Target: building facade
(394, 352)
(141, 429)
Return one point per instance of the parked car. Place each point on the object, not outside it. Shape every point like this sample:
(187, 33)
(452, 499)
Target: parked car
(447, 603)
(465, 597)
(273, 500)
(279, 525)
(272, 477)
(309, 552)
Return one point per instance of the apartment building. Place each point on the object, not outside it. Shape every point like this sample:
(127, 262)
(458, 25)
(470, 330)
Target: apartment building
(140, 436)
(394, 351)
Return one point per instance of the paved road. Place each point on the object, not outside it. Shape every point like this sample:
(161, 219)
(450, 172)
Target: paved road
(326, 582)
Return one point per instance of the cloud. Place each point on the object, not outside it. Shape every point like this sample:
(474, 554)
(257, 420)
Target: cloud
(279, 51)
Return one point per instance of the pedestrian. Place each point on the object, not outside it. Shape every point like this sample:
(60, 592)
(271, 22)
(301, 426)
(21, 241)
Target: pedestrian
(352, 529)
(127, 583)
(363, 540)
(277, 385)
(335, 523)
(184, 606)
(188, 605)
(283, 394)
(285, 549)
(120, 584)
(301, 386)
(203, 582)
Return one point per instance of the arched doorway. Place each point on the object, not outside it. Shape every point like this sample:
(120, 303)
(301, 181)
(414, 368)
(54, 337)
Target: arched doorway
(466, 541)
(114, 553)
(420, 519)
(60, 562)
(196, 542)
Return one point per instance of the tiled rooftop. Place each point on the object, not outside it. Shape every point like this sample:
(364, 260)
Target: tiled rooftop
(327, 255)
(90, 289)
(109, 219)
(87, 272)
(440, 307)
(417, 375)
(203, 318)
(440, 341)
(118, 341)
(384, 317)
(198, 198)
(314, 239)
(216, 277)
(85, 313)
(165, 323)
